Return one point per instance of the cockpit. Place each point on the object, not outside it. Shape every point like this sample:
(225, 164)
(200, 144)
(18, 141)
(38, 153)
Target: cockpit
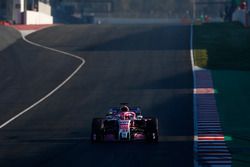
(127, 115)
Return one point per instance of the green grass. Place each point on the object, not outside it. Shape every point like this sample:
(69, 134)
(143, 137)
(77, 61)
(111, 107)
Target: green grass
(227, 46)
(201, 57)
(226, 50)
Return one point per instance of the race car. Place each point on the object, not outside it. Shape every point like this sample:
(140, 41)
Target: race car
(125, 124)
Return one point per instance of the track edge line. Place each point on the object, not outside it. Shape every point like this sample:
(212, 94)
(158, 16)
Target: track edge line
(55, 89)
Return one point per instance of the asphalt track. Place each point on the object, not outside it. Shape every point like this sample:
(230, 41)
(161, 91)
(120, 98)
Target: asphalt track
(144, 65)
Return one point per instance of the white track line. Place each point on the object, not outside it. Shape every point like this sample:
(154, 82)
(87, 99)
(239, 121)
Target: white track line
(194, 98)
(54, 90)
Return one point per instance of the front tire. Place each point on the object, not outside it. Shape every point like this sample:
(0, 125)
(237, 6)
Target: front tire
(97, 132)
(151, 130)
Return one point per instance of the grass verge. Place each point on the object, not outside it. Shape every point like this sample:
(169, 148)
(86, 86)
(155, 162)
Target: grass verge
(225, 49)
(223, 46)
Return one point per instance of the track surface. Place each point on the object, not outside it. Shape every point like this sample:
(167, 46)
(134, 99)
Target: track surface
(148, 66)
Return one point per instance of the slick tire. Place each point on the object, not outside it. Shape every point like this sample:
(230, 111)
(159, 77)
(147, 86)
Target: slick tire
(151, 131)
(97, 132)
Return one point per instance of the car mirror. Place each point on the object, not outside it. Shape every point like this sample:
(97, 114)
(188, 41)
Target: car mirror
(139, 117)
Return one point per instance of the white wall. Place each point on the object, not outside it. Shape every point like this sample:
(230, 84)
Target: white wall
(33, 17)
(42, 16)
(44, 8)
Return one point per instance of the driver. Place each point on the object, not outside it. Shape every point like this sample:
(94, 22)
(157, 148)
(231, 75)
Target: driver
(124, 108)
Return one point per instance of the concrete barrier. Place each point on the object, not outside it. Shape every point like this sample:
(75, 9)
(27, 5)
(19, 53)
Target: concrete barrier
(44, 8)
(33, 17)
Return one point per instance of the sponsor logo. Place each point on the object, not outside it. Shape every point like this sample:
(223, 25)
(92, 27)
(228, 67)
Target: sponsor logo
(124, 125)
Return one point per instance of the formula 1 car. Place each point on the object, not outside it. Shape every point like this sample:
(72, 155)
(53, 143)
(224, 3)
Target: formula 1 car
(125, 124)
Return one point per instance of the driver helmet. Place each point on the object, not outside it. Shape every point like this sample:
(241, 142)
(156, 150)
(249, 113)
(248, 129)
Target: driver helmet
(124, 108)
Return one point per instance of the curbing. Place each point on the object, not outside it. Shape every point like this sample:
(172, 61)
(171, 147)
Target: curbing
(210, 148)
(194, 97)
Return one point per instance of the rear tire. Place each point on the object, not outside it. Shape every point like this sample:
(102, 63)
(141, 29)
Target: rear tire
(151, 130)
(97, 132)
